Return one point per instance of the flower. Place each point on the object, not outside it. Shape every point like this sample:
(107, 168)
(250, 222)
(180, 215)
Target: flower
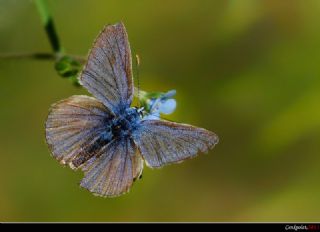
(159, 103)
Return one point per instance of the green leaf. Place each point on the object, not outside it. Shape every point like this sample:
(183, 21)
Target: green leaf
(67, 66)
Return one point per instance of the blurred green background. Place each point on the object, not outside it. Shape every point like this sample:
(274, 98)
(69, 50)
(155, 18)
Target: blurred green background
(247, 70)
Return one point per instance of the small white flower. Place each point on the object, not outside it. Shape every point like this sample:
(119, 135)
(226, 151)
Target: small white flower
(164, 104)
(168, 106)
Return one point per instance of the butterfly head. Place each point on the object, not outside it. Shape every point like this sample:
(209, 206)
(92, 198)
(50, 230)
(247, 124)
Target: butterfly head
(140, 111)
(132, 114)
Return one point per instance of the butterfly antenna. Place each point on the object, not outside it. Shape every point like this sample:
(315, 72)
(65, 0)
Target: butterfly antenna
(138, 78)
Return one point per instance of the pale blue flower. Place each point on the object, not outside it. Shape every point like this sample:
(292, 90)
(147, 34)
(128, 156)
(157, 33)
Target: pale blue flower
(164, 104)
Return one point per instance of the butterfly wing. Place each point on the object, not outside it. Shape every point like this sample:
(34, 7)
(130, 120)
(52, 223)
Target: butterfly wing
(113, 172)
(108, 72)
(76, 129)
(163, 142)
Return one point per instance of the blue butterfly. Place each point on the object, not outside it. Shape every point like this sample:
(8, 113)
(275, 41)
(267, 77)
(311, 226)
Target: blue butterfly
(105, 137)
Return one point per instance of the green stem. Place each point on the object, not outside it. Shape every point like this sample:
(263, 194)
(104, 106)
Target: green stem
(35, 55)
(40, 56)
(48, 24)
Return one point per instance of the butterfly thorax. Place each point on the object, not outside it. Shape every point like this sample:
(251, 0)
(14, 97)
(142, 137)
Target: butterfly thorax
(125, 123)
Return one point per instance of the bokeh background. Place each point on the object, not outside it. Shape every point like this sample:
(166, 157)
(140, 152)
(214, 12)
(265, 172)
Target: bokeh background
(247, 70)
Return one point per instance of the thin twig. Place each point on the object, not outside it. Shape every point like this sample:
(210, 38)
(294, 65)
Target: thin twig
(39, 56)
(35, 55)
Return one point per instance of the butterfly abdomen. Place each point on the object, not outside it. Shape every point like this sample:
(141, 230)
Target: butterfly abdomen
(93, 148)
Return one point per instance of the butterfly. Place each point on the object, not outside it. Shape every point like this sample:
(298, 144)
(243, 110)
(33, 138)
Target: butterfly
(104, 136)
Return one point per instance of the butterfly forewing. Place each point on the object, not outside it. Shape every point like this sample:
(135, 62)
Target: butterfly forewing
(163, 142)
(108, 72)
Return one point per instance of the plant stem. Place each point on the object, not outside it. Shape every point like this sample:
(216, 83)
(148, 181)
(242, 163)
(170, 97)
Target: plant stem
(39, 56)
(48, 25)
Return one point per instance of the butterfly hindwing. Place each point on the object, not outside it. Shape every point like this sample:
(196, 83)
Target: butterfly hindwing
(163, 142)
(113, 172)
(108, 72)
